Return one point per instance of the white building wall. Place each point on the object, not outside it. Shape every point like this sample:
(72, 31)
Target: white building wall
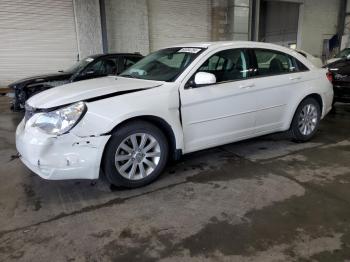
(88, 27)
(238, 19)
(318, 22)
(127, 26)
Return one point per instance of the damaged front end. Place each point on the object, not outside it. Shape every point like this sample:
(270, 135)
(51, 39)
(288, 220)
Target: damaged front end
(48, 148)
(26, 89)
(20, 97)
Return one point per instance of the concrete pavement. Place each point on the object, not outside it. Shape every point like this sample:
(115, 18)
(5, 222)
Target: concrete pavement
(265, 199)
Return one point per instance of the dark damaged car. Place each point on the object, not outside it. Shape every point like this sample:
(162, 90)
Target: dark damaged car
(90, 67)
(340, 76)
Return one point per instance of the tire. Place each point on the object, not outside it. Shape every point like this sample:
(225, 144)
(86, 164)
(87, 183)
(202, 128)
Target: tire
(131, 164)
(304, 128)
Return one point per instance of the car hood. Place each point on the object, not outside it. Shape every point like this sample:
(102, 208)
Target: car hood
(41, 78)
(89, 90)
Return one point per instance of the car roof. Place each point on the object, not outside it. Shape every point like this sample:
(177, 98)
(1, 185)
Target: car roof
(246, 44)
(218, 44)
(114, 54)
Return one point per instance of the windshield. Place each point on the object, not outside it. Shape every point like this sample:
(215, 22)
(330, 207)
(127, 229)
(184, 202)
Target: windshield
(344, 53)
(79, 65)
(163, 65)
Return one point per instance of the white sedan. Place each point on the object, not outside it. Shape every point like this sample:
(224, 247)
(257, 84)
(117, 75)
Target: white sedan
(175, 101)
(316, 61)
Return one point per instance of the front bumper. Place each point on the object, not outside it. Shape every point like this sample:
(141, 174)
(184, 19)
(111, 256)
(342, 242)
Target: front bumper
(60, 157)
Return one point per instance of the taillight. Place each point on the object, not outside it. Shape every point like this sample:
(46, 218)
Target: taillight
(329, 76)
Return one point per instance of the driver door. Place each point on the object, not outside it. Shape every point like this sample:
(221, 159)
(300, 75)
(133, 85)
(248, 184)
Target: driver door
(223, 112)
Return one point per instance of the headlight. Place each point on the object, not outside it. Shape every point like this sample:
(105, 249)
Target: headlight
(60, 121)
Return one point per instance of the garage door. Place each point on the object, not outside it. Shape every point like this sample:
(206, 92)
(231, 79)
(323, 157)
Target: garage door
(37, 36)
(178, 21)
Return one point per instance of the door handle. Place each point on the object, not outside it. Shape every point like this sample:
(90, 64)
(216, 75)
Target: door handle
(295, 78)
(248, 85)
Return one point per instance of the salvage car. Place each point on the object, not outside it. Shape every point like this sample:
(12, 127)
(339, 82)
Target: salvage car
(174, 101)
(340, 76)
(87, 68)
(341, 55)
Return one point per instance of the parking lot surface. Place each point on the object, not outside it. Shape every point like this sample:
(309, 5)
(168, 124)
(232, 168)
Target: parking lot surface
(265, 199)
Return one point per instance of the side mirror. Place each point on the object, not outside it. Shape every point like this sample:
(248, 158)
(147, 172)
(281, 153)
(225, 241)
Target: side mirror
(348, 57)
(203, 78)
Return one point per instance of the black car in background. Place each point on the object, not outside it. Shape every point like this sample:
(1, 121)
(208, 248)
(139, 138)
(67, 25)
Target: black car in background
(90, 67)
(340, 73)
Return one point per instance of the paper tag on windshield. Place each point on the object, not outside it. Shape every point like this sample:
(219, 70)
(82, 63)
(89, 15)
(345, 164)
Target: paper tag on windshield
(189, 50)
(89, 59)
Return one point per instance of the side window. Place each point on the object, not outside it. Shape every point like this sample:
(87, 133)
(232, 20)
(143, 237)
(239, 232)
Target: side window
(271, 62)
(227, 65)
(129, 61)
(300, 66)
(104, 66)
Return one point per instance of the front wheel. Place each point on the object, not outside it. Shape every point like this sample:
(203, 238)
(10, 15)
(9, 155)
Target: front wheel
(135, 155)
(306, 120)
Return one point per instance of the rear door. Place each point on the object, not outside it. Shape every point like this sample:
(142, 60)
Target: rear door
(278, 79)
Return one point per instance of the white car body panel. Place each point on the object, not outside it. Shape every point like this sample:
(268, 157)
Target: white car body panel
(63, 157)
(79, 91)
(214, 116)
(314, 60)
(120, 108)
(199, 117)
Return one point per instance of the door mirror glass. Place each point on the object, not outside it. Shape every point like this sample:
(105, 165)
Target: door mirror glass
(204, 78)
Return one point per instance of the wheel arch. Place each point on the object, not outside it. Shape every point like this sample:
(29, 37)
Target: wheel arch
(315, 96)
(163, 125)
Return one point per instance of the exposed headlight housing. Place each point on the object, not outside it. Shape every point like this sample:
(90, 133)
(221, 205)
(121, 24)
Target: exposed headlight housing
(60, 121)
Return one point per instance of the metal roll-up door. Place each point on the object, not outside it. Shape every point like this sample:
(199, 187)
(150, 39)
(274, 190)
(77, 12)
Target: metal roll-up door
(37, 36)
(178, 21)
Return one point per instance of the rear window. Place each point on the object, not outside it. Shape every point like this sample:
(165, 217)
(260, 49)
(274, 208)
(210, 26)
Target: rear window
(272, 62)
(300, 66)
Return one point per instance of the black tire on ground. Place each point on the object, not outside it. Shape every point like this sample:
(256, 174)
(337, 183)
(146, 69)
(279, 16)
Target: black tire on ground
(294, 130)
(108, 164)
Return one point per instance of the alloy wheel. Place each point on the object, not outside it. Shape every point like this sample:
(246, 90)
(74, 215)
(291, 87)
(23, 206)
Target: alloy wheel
(308, 119)
(137, 156)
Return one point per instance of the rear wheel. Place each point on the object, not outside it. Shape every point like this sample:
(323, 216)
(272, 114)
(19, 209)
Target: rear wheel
(135, 155)
(306, 120)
